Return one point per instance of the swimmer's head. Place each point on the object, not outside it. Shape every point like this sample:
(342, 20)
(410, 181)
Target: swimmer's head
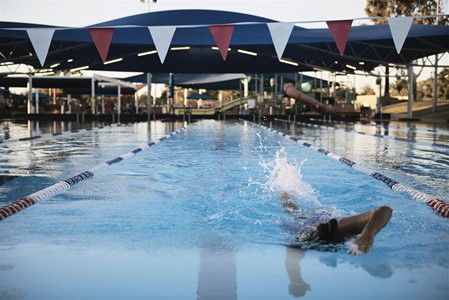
(327, 232)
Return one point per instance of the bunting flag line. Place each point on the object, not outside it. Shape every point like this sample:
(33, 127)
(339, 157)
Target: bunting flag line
(162, 37)
(102, 38)
(222, 35)
(41, 39)
(340, 31)
(280, 34)
(399, 27)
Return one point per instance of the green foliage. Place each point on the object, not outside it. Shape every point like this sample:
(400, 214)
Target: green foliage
(399, 87)
(425, 87)
(443, 84)
(367, 90)
(397, 8)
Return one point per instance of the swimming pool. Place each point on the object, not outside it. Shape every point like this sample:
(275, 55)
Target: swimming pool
(197, 216)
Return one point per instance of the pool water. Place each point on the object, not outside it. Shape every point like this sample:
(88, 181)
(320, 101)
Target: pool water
(198, 215)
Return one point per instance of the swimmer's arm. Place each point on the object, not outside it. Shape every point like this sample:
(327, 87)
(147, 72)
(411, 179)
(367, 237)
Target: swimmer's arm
(379, 217)
(354, 224)
(371, 221)
(287, 203)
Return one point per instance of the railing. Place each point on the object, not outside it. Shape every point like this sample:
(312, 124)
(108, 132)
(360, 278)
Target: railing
(210, 111)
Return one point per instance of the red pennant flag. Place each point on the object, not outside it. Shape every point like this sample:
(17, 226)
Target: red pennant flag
(102, 38)
(340, 31)
(222, 35)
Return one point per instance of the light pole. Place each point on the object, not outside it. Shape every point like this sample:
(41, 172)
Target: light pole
(148, 1)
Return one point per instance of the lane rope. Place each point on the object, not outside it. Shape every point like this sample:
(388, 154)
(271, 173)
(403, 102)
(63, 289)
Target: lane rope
(64, 185)
(440, 206)
(413, 141)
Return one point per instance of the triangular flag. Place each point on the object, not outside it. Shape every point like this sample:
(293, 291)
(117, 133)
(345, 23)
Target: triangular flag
(41, 39)
(162, 37)
(222, 35)
(280, 33)
(102, 38)
(399, 28)
(340, 31)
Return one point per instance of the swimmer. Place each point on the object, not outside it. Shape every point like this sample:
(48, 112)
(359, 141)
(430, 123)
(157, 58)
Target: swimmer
(364, 226)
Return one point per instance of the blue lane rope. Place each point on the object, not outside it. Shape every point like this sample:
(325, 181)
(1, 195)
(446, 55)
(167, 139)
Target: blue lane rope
(413, 141)
(438, 205)
(27, 201)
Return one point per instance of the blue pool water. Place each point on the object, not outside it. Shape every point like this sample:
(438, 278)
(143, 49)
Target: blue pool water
(198, 216)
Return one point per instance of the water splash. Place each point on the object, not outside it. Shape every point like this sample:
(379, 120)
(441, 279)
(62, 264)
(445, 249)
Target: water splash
(285, 176)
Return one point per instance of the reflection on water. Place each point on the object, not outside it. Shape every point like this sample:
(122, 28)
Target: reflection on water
(217, 277)
(297, 287)
(196, 184)
(9, 293)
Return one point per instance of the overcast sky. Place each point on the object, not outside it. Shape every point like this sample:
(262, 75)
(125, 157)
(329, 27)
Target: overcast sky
(87, 12)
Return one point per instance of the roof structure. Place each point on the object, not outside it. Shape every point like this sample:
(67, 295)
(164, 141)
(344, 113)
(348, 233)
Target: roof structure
(208, 41)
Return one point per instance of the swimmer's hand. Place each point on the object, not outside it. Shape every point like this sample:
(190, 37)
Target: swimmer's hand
(361, 245)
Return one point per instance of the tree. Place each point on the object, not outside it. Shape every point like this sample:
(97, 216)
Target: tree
(425, 87)
(400, 87)
(397, 8)
(443, 84)
(367, 90)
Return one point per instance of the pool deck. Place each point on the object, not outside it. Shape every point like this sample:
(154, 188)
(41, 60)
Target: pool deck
(422, 110)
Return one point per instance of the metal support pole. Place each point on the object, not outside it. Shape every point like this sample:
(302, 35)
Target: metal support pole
(435, 85)
(410, 92)
(30, 94)
(93, 95)
(136, 102)
(379, 96)
(149, 77)
(119, 100)
(69, 100)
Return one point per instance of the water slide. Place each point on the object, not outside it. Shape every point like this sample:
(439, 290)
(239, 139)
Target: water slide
(317, 106)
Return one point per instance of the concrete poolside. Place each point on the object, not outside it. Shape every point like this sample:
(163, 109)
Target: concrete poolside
(421, 110)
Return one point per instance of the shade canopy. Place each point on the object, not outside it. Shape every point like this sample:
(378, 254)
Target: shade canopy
(200, 97)
(184, 40)
(210, 81)
(71, 85)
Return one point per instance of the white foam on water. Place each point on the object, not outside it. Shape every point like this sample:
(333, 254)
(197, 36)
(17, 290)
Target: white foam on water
(283, 175)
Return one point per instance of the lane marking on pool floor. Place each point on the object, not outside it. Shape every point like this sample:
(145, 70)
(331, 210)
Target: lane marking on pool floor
(413, 141)
(54, 135)
(64, 185)
(435, 203)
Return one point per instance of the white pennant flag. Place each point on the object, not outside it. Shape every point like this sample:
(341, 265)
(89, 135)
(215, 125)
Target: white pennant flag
(280, 33)
(162, 37)
(399, 28)
(41, 39)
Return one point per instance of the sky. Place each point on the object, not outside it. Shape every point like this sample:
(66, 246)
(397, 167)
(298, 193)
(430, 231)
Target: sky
(88, 12)
(79, 13)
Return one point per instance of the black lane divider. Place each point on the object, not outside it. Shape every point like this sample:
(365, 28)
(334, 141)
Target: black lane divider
(435, 203)
(61, 186)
